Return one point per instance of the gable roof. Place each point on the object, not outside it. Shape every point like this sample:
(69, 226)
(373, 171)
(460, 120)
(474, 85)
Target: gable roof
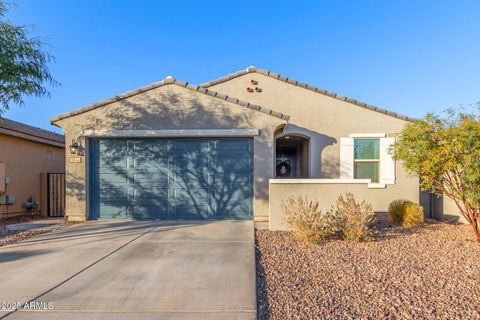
(170, 80)
(279, 77)
(25, 131)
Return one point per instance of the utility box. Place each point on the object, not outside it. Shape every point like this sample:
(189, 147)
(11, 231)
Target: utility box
(2, 178)
(7, 199)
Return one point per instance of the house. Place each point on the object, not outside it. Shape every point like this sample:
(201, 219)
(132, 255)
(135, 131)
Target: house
(27, 155)
(231, 148)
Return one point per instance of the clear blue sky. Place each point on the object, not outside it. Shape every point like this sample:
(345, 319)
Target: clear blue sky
(410, 57)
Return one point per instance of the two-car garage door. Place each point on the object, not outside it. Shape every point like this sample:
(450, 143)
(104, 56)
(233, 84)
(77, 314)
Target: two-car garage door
(171, 178)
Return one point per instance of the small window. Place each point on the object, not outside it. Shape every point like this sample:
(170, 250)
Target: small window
(367, 159)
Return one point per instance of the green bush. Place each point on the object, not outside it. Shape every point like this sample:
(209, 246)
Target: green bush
(306, 221)
(406, 213)
(354, 218)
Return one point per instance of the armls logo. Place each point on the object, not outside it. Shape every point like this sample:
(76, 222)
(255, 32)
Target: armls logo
(32, 305)
(35, 305)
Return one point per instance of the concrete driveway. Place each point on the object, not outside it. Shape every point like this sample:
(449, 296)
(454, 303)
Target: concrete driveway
(131, 270)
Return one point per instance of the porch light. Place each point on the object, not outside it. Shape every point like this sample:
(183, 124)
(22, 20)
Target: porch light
(74, 147)
(287, 137)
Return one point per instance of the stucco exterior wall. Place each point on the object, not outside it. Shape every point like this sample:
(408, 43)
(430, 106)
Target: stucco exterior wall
(24, 162)
(445, 208)
(166, 108)
(327, 194)
(324, 119)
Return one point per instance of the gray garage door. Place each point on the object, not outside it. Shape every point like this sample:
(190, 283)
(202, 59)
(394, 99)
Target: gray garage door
(171, 178)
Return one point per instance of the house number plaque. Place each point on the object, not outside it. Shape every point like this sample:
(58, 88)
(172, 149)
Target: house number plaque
(76, 160)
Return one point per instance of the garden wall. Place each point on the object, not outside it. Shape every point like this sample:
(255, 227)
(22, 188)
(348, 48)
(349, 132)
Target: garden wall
(326, 192)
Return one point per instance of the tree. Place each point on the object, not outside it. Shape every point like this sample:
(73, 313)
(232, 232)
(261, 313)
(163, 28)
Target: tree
(445, 154)
(23, 64)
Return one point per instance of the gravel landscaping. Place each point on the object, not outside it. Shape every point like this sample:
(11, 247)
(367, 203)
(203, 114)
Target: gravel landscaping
(424, 273)
(20, 219)
(13, 237)
(8, 236)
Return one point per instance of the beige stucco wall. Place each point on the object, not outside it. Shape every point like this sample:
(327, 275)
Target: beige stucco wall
(327, 195)
(445, 208)
(164, 108)
(324, 119)
(24, 162)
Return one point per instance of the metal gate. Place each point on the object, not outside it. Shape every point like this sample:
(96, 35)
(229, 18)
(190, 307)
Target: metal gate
(56, 194)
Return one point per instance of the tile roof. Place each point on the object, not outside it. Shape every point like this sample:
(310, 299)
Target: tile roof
(170, 80)
(277, 76)
(29, 131)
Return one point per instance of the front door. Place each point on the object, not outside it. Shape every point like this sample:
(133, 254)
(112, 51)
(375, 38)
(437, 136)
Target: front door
(286, 162)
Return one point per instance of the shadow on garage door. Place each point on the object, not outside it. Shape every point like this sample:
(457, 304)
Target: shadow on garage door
(171, 178)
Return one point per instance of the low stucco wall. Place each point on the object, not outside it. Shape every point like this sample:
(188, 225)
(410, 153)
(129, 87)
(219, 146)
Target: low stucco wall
(327, 192)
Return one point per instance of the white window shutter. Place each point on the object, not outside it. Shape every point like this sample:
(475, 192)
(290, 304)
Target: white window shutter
(387, 164)
(346, 158)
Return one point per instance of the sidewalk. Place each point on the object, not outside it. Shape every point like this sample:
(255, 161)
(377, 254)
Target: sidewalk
(40, 224)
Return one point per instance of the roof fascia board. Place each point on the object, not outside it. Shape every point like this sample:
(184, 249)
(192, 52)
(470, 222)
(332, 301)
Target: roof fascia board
(21, 135)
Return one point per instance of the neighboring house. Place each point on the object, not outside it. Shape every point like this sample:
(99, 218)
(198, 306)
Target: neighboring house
(235, 147)
(27, 155)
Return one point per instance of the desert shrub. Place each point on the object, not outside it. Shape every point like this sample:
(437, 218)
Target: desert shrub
(406, 213)
(413, 216)
(354, 218)
(306, 221)
(396, 209)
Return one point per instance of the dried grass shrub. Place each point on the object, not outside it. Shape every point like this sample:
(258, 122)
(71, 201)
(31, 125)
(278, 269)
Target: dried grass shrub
(396, 209)
(307, 222)
(406, 213)
(413, 215)
(354, 218)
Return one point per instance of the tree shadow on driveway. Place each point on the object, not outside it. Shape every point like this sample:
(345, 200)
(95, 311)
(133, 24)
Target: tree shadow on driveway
(17, 255)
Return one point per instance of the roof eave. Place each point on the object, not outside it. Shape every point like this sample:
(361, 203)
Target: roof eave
(34, 138)
(167, 81)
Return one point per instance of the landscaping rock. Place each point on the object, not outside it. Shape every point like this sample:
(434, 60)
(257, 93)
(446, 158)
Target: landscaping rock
(417, 273)
(19, 236)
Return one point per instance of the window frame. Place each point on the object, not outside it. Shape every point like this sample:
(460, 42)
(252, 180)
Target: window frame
(367, 160)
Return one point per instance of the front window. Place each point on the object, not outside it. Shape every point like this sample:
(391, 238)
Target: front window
(367, 159)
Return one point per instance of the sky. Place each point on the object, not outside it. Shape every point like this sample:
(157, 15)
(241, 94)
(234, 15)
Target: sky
(410, 57)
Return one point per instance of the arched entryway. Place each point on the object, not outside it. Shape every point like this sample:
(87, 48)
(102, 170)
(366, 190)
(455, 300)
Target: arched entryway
(292, 155)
